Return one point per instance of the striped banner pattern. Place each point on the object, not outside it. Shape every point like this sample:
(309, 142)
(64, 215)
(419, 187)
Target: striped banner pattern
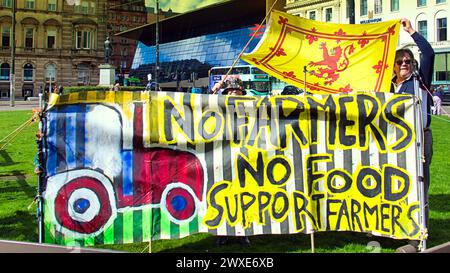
(73, 145)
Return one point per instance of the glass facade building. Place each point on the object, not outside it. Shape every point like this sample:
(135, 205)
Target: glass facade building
(178, 59)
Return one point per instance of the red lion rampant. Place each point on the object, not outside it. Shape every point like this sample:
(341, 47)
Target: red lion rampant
(331, 65)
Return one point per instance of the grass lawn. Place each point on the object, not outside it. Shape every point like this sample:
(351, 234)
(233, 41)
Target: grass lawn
(18, 187)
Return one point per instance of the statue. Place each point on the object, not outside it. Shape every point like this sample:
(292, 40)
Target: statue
(108, 50)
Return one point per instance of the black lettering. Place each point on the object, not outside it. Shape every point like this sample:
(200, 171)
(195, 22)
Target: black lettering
(232, 217)
(293, 120)
(271, 167)
(364, 174)
(330, 108)
(355, 209)
(299, 209)
(344, 122)
(312, 175)
(171, 112)
(416, 227)
(258, 173)
(263, 205)
(343, 212)
(245, 205)
(329, 212)
(218, 119)
(316, 198)
(396, 212)
(332, 176)
(370, 211)
(212, 201)
(384, 216)
(391, 115)
(389, 174)
(367, 120)
(279, 214)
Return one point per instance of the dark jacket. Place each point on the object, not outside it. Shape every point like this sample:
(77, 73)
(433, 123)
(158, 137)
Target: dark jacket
(425, 71)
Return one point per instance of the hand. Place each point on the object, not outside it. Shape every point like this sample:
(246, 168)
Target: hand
(406, 24)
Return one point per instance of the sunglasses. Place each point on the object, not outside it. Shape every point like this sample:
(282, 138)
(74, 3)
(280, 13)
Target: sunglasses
(400, 62)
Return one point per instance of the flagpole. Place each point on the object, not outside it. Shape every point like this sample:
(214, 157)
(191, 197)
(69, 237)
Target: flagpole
(245, 47)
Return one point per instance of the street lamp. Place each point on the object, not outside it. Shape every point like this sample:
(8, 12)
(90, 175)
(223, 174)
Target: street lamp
(12, 78)
(157, 44)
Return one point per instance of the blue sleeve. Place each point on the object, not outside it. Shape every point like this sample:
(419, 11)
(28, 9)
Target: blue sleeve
(426, 58)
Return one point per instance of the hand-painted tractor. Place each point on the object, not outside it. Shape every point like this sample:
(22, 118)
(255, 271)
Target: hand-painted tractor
(85, 201)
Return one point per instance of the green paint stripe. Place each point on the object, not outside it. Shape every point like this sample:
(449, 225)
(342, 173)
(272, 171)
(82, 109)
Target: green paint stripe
(174, 230)
(118, 229)
(99, 239)
(118, 97)
(136, 96)
(146, 224)
(194, 226)
(156, 224)
(108, 235)
(48, 235)
(128, 227)
(137, 228)
(165, 226)
(90, 241)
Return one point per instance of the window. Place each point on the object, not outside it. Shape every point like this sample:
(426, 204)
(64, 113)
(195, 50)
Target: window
(6, 3)
(123, 64)
(422, 28)
(84, 39)
(4, 72)
(312, 15)
(442, 67)
(6, 36)
(421, 3)
(51, 38)
(328, 14)
(378, 6)
(395, 6)
(440, 1)
(52, 5)
(83, 74)
(50, 73)
(363, 7)
(29, 37)
(441, 29)
(29, 4)
(85, 7)
(28, 72)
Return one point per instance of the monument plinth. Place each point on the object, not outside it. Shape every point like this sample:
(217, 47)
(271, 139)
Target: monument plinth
(107, 75)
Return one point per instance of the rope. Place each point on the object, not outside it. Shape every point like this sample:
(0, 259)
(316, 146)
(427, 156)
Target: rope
(11, 136)
(214, 90)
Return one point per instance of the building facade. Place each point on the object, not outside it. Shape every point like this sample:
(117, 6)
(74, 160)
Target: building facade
(56, 42)
(123, 15)
(321, 10)
(428, 17)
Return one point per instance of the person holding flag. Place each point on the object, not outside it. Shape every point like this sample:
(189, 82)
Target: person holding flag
(403, 82)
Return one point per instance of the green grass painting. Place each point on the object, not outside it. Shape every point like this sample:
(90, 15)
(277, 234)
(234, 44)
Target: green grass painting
(18, 185)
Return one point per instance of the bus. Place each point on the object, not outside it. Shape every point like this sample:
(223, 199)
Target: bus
(256, 82)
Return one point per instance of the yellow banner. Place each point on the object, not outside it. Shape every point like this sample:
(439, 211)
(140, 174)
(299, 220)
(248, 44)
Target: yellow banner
(331, 58)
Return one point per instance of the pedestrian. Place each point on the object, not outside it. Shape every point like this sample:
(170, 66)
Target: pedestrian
(438, 97)
(233, 87)
(60, 90)
(116, 86)
(403, 82)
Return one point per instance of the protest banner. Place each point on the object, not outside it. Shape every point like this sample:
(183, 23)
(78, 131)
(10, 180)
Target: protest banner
(124, 167)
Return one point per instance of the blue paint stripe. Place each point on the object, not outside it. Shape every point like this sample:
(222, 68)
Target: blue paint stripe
(80, 137)
(70, 141)
(51, 142)
(127, 173)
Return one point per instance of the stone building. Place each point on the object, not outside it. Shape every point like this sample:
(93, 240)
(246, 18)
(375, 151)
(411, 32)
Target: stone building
(57, 41)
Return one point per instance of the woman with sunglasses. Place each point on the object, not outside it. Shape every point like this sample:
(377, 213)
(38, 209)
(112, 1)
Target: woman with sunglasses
(406, 71)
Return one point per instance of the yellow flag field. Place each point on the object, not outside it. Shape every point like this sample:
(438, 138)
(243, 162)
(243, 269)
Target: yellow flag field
(326, 57)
